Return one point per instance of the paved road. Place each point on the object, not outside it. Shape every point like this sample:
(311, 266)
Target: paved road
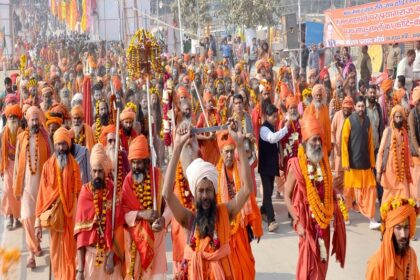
(275, 255)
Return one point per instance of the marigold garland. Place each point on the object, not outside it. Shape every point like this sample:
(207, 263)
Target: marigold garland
(393, 204)
(34, 168)
(399, 163)
(100, 216)
(321, 210)
(343, 209)
(184, 192)
(80, 139)
(98, 125)
(67, 211)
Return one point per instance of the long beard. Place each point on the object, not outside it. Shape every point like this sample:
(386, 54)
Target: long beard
(127, 131)
(318, 104)
(13, 126)
(400, 251)
(206, 219)
(139, 177)
(314, 154)
(61, 160)
(110, 152)
(104, 120)
(293, 117)
(77, 129)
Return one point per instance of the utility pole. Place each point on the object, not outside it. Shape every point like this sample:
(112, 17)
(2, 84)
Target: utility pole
(300, 38)
(181, 35)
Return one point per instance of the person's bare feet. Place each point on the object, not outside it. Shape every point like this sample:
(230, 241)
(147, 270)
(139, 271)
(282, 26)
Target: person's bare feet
(31, 263)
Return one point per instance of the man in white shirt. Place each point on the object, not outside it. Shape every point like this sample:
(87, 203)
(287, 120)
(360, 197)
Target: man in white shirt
(405, 68)
(416, 64)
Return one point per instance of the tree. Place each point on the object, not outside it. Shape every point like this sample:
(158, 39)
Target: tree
(189, 14)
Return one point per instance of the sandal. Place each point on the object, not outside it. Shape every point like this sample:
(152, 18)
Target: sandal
(39, 252)
(31, 263)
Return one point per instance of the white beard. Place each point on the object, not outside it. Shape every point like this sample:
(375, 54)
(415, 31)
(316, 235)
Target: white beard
(77, 129)
(110, 152)
(315, 156)
(13, 126)
(62, 161)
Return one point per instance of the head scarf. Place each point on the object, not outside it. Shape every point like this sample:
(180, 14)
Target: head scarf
(105, 131)
(386, 85)
(57, 120)
(139, 148)
(60, 135)
(127, 114)
(198, 170)
(13, 110)
(33, 112)
(208, 96)
(224, 139)
(291, 101)
(393, 212)
(348, 102)
(416, 94)
(317, 88)
(59, 108)
(183, 92)
(77, 111)
(98, 156)
(398, 95)
(310, 127)
(395, 109)
(324, 72)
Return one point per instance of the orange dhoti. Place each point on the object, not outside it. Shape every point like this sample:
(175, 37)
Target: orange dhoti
(9, 204)
(415, 174)
(241, 255)
(179, 240)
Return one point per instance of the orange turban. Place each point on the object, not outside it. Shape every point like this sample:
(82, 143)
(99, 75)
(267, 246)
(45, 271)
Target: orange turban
(77, 111)
(394, 212)
(127, 114)
(13, 110)
(59, 108)
(310, 127)
(116, 82)
(397, 108)
(183, 92)
(348, 102)
(284, 91)
(317, 88)
(98, 156)
(139, 148)
(291, 101)
(57, 120)
(416, 94)
(105, 131)
(46, 89)
(60, 135)
(33, 112)
(398, 95)
(386, 85)
(224, 139)
(208, 96)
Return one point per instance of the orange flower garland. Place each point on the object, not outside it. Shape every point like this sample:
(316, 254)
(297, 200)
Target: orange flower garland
(119, 174)
(80, 139)
(322, 210)
(399, 164)
(143, 193)
(98, 125)
(100, 215)
(184, 192)
(34, 168)
(67, 211)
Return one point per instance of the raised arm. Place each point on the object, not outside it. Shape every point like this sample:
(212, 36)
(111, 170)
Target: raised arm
(181, 214)
(235, 205)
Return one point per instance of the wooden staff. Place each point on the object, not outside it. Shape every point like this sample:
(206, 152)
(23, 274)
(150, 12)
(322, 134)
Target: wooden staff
(117, 143)
(152, 150)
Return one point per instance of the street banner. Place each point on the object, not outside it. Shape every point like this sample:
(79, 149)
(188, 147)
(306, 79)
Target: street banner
(381, 22)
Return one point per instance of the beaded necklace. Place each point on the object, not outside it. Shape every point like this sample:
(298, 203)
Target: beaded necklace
(100, 217)
(33, 169)
(67, 211)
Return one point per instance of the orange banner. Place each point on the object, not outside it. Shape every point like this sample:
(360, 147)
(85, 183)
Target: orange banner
(381, 22)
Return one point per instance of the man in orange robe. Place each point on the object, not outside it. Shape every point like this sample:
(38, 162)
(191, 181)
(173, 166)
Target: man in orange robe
(59, 185)
(127, 131)
(208, 143)
(144, 215)
(97, 257)
(248, 224)
(33, 149)
(83, 134)
(319, 110)
(395, 259)
(208, 252)
(394, 171)
(312, 204)
(10, 206)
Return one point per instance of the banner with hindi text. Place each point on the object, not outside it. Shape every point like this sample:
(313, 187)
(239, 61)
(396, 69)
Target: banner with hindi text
(381, 22)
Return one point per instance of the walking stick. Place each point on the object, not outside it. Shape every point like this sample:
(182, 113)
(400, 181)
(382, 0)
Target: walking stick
(152, 149)
(117, 145)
